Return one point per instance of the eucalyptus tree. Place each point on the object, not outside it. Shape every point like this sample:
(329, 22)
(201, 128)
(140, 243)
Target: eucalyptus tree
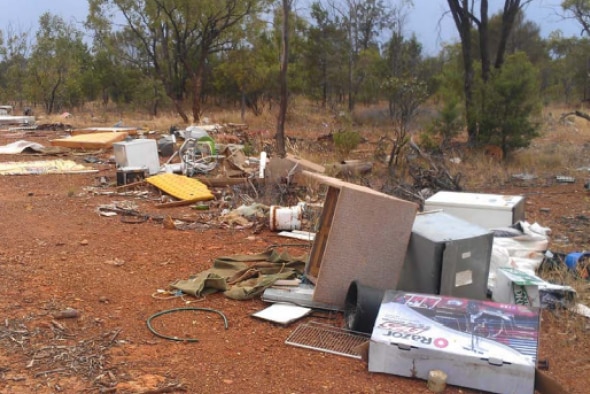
(325, 55)
(580, 11)
(15, 50)
(57, 61)
(175, 38)
(570, 67)
(466, 17)
(403, 61)
(364, 22)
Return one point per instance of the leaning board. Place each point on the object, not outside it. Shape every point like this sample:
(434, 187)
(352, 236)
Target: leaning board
(91, 141)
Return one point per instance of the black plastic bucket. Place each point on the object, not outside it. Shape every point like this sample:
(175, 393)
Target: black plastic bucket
(361, 307)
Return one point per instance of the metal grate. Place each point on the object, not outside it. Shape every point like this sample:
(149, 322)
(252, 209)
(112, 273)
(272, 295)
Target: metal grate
(326, 338)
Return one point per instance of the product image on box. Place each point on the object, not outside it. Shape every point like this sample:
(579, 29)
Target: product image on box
(479, 344)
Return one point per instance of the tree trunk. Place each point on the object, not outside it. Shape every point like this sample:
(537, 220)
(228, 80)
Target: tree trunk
(243, 106)
(511, 8)
(462, 18)
(197, 79)
(180, 110)
(484, 41)
(50, 106)
(325, 84)
(350, 65)
(281, 151)
(350, 84)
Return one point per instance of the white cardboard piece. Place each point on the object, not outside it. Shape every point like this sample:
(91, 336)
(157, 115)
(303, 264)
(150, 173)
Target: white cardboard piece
(282, 313)
(479, 344)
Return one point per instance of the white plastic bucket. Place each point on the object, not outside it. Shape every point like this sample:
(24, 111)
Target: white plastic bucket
(285, 218)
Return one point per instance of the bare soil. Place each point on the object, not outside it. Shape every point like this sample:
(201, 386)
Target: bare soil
(56, 252)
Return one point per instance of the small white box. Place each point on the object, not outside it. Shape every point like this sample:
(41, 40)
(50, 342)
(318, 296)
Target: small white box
(141, 153)
(516, 287)
(479, 344)
(486, 210)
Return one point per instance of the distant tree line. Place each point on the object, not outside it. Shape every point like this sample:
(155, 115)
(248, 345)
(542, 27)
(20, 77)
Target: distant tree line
(185, 55)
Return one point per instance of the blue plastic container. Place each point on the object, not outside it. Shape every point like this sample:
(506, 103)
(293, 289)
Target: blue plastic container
(571, 260)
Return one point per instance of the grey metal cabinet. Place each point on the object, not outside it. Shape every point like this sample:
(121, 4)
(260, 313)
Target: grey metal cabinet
(448, 256)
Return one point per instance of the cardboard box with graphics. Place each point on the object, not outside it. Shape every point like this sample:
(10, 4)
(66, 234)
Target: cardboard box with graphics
(479, 344)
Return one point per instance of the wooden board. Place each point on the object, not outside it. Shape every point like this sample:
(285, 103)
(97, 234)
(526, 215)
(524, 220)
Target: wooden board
(94, 130)
(321, 238)
(91, 141)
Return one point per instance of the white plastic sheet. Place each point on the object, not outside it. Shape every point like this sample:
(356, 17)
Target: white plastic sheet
(524, 251)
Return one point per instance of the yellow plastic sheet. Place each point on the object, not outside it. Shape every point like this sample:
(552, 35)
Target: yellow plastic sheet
(181, 187)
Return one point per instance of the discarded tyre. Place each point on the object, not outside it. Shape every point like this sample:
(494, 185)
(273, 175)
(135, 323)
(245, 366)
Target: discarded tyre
(361, 307)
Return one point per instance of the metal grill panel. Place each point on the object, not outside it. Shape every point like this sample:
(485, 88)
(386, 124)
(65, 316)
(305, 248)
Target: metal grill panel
(326, 338)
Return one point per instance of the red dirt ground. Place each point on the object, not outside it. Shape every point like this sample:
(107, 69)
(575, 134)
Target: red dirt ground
(56, 252)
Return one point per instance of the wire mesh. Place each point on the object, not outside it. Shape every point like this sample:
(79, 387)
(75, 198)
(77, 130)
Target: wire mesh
(329, 339)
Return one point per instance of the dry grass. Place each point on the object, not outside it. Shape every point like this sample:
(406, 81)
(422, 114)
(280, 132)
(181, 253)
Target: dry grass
(562, 146)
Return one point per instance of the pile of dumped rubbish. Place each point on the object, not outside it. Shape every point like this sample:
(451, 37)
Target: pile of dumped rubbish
(449, 294)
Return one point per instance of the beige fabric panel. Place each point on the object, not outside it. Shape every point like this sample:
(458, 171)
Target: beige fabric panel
(367, 242)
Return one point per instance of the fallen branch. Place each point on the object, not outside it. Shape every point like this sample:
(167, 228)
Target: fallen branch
(576, 113)
(50, 371)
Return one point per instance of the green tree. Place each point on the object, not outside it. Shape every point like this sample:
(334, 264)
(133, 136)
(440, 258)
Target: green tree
(409, 94)
(56, 64)
(325, 56)
(465, 17)
(569, 67)
(177, 37)
(248, 73)
(403, 59)
(580, 11)
(363, 21)
(512, 99)
(14, 54)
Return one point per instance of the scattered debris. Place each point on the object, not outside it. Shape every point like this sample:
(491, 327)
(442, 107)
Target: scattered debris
(565, 179)
(55, 349)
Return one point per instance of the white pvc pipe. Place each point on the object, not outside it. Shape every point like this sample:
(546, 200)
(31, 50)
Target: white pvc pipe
(262, 164)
